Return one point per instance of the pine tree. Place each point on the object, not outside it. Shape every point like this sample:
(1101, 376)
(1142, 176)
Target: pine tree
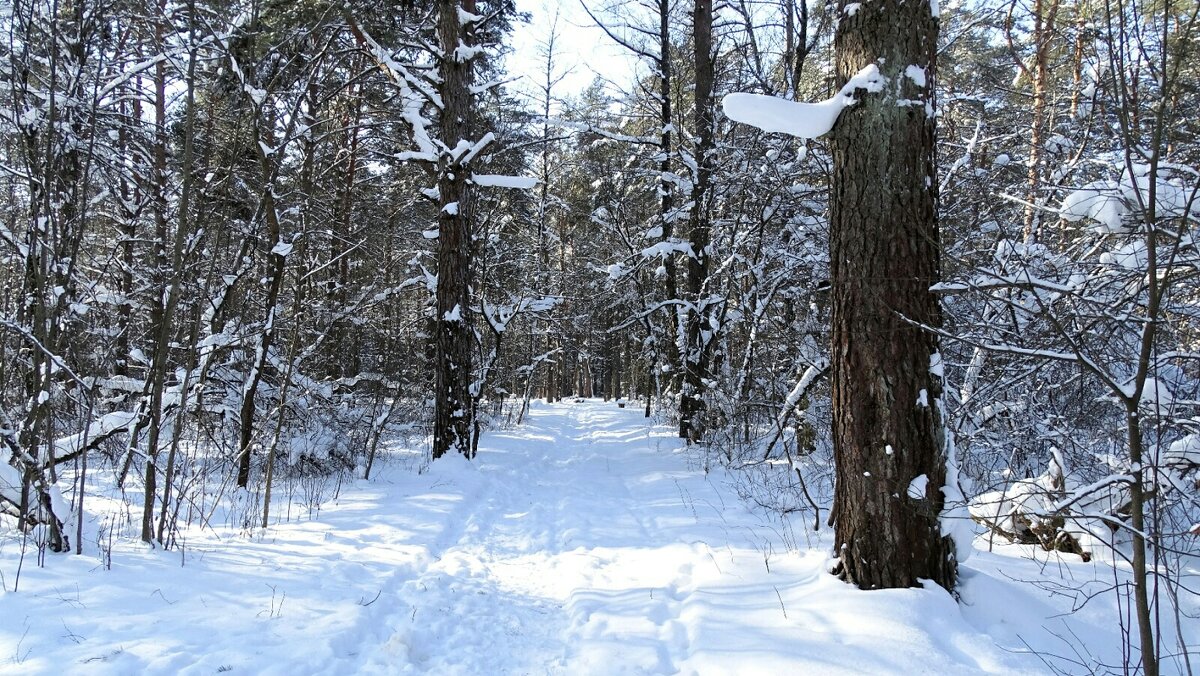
(887, 430)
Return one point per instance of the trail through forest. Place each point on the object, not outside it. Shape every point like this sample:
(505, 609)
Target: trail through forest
(584, 542)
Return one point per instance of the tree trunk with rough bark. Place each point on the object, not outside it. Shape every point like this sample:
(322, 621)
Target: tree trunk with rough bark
(698, 332)
(667, 188)
(884, 252)
(453, 338)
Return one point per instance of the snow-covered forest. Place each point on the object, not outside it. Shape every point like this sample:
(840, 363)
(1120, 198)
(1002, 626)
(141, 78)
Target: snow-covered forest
(890, 284)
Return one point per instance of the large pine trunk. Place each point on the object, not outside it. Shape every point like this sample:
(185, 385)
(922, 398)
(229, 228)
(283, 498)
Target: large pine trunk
(699, 331)
(452, 358)
(672, 328)
(884, 256)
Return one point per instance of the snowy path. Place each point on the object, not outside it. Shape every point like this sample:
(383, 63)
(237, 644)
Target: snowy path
(581, 543)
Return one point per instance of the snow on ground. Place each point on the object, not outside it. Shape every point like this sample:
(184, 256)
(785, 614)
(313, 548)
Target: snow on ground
(584, 542)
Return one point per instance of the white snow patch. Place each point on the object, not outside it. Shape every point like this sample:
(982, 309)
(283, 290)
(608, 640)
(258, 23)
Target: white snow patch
(499, 181)
(1059, 145)
(916, 487)
(916, 74)
(1112, 203)
(464, 53)
(1128, 256)
(502, 565)
(1154, 393)
(1182, 454)
(10, 482)
(466, 18)
(257, 95)
(1099, 201)
(955, 519)
(804, 120)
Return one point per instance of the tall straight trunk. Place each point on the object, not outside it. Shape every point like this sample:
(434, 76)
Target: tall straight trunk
(552, 369)
(1045, 13)
(699, 332)
(183, 231)
(649, 381)
(1079, 42)
(131, 114)
(285, 385)
(268, 211)
(1137, 523)
(453, 337)
(276, 264)
(666, 186)
(164, 303)
(888, 437)
(1158, 282)
(795, 30)
(616, 368)
(345, 361)
(544, 272)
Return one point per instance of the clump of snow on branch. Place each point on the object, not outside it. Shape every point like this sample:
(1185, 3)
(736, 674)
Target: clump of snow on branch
(464, 53)
(282, 248)
(804, 120)
(466, 18)
(498, 181)
(1155, 393)
(1128, 256)
(1113, 204)
(1182, 454)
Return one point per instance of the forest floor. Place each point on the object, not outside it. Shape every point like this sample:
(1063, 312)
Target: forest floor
(586, 541)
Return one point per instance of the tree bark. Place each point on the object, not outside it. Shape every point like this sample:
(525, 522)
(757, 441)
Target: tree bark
(884, 254)
(1045, 14)
(666, 188)
(699, 332)
(452, 354)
